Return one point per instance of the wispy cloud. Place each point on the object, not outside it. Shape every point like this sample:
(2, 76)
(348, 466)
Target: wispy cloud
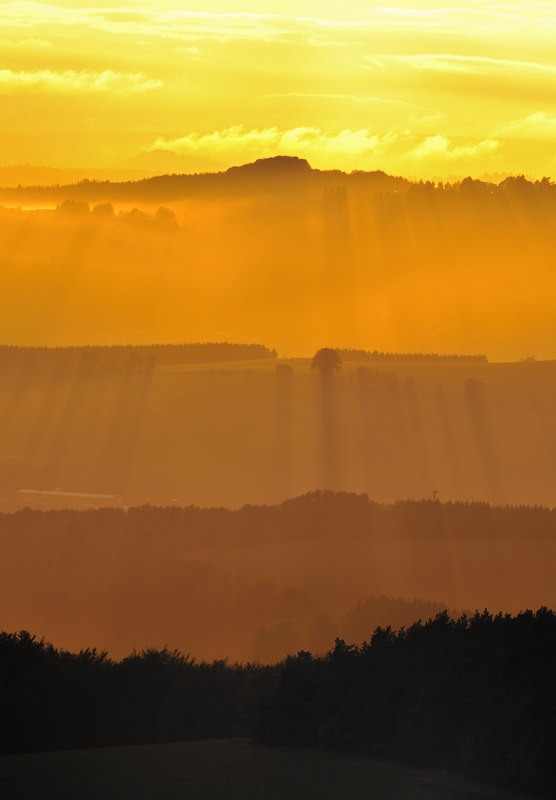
(476, 16)
(330, 96)
(236, 145)
(351, 149)
(75, 81)
(534, 126)
(447, 62)
(440, 146)
(26, 43)
(223, 26)
(169, 24)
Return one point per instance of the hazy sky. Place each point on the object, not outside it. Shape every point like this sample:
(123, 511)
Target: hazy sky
(418, 88)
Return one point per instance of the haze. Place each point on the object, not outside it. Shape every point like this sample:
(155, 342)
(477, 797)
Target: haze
(285, 255)
(277, 342)
(422, 89)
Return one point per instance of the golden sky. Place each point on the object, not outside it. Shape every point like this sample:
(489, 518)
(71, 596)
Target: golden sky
(417, 88)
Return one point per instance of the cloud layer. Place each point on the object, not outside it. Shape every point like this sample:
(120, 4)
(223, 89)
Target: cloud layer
(439, 85)
(347, 149)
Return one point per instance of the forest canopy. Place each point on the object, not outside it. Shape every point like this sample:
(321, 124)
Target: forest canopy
(128, 357)
(315, 515)
(474, 695)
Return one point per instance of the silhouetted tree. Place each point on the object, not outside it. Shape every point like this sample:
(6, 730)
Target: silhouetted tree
(150, 363)
(103, 210)
(165, 215)
(327, 361)
(473, 389)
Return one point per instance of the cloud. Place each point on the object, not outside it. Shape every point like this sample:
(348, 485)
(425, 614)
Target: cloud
(236, 145)
(169, 23)
(349, 18)
(74, 81)
(347, 149)
(440, 146)
(447, 62)
(353, 97)
(475, 18)
(26, 43)
(535, 126)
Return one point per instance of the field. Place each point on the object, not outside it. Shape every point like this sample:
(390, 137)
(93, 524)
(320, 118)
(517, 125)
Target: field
(213, 770)
(230, 434)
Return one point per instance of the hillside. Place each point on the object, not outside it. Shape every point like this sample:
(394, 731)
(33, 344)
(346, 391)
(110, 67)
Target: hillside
(234, 769)
(279, 174)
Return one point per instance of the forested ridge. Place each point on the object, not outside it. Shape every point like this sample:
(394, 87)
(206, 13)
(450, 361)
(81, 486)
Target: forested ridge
(318, 514)
(282, 174)
(265, 581)
(130, 358)
(473, 695)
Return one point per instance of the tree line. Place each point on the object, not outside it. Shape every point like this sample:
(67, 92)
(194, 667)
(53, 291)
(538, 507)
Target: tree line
(316, 515)
(472, 695)
(131, 358)
(475, 695)
(351, 354)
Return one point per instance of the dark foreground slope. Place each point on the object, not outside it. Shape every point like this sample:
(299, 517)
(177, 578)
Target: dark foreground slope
(475, 696)
(213, 770)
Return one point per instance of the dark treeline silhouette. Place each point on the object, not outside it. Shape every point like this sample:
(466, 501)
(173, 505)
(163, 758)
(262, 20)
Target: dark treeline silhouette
(366, 355)
(282, 172)
(131, 358)
(163, 217)
(316, 515)
(53, 699)
(475, 695)
(265, 174)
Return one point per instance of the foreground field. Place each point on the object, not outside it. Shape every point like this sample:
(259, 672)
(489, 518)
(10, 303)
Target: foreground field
(213, 770)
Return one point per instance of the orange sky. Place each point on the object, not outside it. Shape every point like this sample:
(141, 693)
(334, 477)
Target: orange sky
(417, 88)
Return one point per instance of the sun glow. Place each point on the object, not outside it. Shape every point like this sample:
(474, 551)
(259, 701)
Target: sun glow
(420, 89)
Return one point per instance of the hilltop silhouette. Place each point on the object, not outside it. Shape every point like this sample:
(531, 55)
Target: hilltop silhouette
(273, 167)
(270, 174)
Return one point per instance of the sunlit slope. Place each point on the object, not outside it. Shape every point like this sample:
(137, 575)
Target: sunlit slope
(250, 432)
(294, 258)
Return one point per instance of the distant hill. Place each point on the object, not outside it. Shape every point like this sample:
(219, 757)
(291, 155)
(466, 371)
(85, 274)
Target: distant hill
(265, 174)
(279, 166)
